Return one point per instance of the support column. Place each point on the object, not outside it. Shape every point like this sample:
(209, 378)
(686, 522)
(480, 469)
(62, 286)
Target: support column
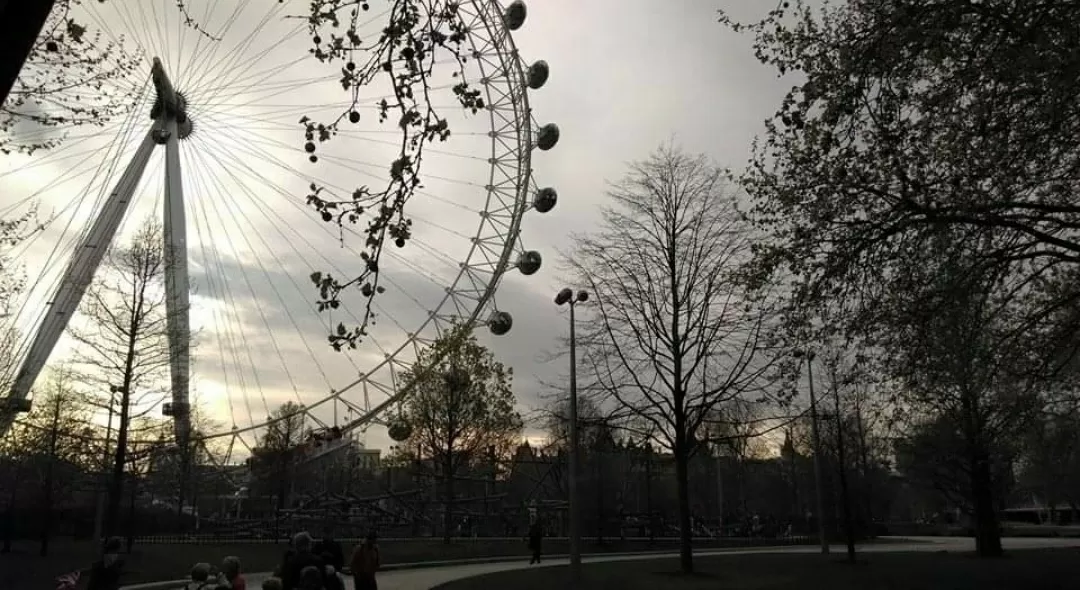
(176, 285)
(80, 271)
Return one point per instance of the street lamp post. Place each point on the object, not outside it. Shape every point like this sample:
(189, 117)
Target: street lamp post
(567, 296)
(816, 441)
(845, 499)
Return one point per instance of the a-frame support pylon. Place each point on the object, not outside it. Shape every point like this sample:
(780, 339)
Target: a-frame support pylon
(171, 124)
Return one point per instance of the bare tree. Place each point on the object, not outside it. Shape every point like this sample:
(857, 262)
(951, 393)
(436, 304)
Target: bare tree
(664, 266)
(592, 422)
(735, 428)
(125, 348)
(13, 230)
(169, 462)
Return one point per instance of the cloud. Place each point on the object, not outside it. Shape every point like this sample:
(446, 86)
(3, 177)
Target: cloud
(625, 77)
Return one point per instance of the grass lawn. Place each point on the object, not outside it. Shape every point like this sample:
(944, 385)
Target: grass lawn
(1019, 570)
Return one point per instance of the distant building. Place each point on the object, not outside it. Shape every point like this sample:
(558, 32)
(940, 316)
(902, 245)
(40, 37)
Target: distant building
(367, 459)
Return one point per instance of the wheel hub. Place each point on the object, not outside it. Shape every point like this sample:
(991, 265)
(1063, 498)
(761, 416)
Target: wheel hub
(169, 104)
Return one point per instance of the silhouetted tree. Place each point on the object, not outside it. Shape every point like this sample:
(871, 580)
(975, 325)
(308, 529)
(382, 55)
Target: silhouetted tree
(460, 408)
(124, 350)
(274, 457)
(912, 147)
(46, 452)
(663, 267)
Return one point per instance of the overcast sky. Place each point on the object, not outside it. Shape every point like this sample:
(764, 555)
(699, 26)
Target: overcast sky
(625, 77)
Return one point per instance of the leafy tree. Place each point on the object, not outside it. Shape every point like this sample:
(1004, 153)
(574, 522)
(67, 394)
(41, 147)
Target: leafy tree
(461, 407)
(1049, 462)
(46, 451)
(919, 177)
(274, 457)
(417, 37)
(663, 267)
(966, 383)
(911, 116)
(125, 348)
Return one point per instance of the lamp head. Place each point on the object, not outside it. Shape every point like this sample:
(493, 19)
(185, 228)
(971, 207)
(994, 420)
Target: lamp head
(582, 296)
(563, 296)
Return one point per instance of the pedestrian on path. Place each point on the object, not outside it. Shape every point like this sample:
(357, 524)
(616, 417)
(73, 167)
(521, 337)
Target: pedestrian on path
(105, 573)
(202, 578)
(302, 558)
(365, 562)
(230, 572)
(331, 579)
(329, 546)
(536, 540)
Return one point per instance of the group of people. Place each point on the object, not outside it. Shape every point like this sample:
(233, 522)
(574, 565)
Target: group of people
(306, 565)
(204, 577)
(105, 573)
(311, 565)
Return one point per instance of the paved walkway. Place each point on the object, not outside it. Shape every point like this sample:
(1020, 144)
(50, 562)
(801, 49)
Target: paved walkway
(426, 578)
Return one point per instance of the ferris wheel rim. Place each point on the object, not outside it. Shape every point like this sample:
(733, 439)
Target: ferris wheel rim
(489, 13)
(511, 63)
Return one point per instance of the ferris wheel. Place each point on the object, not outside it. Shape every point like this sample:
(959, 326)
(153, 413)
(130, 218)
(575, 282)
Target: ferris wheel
(214, 119)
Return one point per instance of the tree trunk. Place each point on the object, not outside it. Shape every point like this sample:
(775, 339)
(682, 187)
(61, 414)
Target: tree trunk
(9, 527)
(112, 515)
(648, 499)
(448, 499)
(181, 491)
(599, 475)
(867, 483)
(131, 510)
(987, 529)
(47, 510)
(9, 514)
(686, 537)
(47, 499)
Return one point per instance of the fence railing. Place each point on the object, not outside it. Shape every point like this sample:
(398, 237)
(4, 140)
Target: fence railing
(665, 539)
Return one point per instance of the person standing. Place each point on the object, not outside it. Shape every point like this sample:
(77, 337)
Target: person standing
(105, 573)
(536, 540)
(202, 578)
(365, 562)
(230, 571)
(331, 579)
(302, 558)
(328, 545)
